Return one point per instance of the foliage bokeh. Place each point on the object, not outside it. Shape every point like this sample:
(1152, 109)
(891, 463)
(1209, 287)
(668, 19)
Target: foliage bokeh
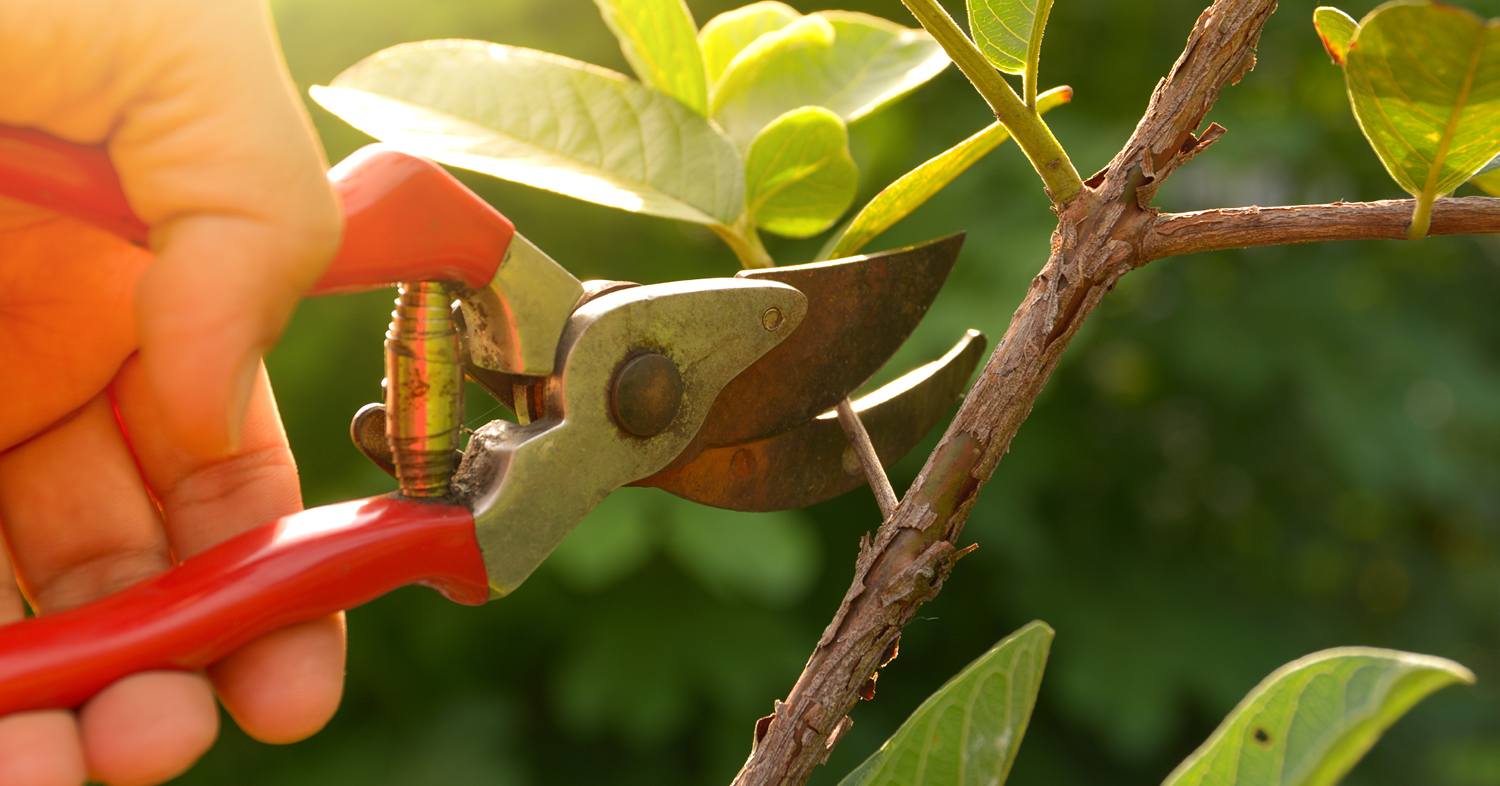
(1244, 457)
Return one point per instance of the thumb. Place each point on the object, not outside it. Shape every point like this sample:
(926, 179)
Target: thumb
(220, 160)
(215, 153)
(213, 302)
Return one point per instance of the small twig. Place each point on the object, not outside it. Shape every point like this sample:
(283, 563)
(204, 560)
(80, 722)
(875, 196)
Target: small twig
(859, 439)
(1174, 234)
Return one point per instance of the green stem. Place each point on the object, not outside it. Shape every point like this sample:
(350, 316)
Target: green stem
(745, 242)
(1025, 124)
(1034, 51)
(1421, 216)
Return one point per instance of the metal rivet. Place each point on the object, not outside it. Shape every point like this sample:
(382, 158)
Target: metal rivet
(772, 319)
(647, 394)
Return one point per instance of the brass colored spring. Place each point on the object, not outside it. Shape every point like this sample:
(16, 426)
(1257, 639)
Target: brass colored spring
(424, 388)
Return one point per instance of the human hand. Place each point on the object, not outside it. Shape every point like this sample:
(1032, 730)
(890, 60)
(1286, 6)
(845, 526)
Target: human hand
(138, 424)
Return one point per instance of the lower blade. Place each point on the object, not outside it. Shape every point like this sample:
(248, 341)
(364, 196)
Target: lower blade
(814, 462)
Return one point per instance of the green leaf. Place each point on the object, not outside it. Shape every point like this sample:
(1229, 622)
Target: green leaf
(908, 193)
(660, 42)
(1488, 182)
(545, 121)
(1424, 80)
(1336, 29)
(967, 733)
(849, 63)
(1310, 721)
(799, 177)
(727, 34)
(1006, 30)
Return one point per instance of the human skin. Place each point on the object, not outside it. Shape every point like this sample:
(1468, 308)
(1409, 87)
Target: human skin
(139, 427)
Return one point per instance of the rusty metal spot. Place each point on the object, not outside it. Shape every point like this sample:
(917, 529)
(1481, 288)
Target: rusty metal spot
(742, 464)
(813, 463)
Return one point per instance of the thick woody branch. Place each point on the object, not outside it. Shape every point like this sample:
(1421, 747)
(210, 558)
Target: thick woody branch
(1097, 241)
(1174, 234)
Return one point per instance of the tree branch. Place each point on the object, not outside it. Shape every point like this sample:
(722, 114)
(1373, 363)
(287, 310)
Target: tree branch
(1174, 234)
(1098, 239)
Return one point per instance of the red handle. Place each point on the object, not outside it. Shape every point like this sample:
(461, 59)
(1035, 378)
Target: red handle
(405, 218)
(294, 569)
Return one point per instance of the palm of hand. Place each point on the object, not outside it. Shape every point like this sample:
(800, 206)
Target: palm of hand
(85, 512)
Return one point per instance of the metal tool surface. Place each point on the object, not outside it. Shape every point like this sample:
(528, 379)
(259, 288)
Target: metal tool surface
(814, 462)
(667, 384)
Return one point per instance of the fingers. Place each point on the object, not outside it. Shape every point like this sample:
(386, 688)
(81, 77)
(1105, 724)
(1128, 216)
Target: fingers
(148, 728)
(215, 153)
(77, 518)
(221, 289)
(79, 524)
(41, 749)
(284, 686)
(229, 175)
(36, 748)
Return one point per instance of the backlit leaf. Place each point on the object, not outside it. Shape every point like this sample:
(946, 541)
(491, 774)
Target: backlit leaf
(1424, 80)
(1489, 183)
(545, 121)
(847, 62)
(799, 177)
(898, 199)
(660, 42)
(1006, 30)
(967, 733)
(727, 34)
(1310, 721)
(1336, 29)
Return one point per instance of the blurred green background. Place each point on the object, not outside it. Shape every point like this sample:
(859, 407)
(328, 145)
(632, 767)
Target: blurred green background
(1244, 457)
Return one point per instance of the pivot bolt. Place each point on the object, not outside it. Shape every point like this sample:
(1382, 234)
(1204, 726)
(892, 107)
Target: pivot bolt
(647, 394)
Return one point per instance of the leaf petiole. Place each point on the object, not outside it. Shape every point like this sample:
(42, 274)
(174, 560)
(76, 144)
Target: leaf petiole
(1059, 177)
(1034, 52)
(742, 238)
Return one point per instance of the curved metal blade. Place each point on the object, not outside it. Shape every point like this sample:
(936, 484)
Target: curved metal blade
(814, 463)
(859, 312)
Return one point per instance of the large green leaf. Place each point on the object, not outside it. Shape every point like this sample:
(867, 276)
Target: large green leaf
(1007, 31)
(1310, 721)
(1336, 29)
(1424, 80)
(799, 177)
(660, 41)
(727, 34)
(967, 733)
(848, 62)
(545, 121)
(898, 199)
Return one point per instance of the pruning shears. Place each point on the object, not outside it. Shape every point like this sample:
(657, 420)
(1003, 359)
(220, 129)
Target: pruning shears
(718, 390)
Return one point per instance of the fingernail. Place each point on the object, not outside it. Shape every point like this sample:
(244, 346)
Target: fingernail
(242, 385)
